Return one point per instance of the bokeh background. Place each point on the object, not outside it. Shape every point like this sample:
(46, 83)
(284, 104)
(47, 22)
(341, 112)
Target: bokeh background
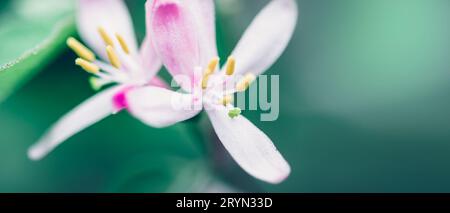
(365, 105)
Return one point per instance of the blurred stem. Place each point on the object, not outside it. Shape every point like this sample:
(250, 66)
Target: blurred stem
(193, 127)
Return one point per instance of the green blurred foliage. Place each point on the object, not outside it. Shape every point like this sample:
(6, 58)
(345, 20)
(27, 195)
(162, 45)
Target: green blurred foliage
(364, 95)
(32, 32)
(118, 154)
(364, 108)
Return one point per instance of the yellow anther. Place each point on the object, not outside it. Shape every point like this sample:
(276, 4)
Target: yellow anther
(243, 85)
(231, 65)
(212, 66)
(105, 36)
(123, 43)
(81, 50)
(209, 71)
(205, 81)
(113, 58)
(88, 66)
(227, 99)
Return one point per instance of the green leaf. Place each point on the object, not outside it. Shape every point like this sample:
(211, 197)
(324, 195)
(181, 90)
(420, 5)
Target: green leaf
(32, 33)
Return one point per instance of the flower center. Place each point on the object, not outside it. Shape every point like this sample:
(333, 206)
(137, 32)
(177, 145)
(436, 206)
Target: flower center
(122, 67)
(219, 88)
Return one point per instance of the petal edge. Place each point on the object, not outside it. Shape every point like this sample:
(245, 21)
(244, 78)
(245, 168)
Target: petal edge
(84, 115)
(266, 38)
(159, 107)
(249, 147)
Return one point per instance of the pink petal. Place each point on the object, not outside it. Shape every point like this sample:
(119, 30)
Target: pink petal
(249, 147)
(266, 38)
(183, 33)
(159, 107)
(205, 17)
(119, 99)
(174, 36)
(159, 82)
(86, 114)
(112, 15)
(150, 59)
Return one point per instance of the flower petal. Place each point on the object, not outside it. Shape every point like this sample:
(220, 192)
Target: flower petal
(205, 17)
(158, 82)
(182, 33)
(112, 16)
(249, 147)
(266, 38)
(159, 107)
(149, 58)
(86, 114)
(174, 36)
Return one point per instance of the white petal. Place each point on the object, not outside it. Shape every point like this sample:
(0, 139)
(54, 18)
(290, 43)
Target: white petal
(249, 147)
(112, 15)
(204, 14)
(83, 116)
(159, 107)
(149, 58)
(266, 38)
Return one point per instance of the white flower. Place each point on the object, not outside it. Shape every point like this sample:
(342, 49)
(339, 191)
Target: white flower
(183, 34)
(105, 25)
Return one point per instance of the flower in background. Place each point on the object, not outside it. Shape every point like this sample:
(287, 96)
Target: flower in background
(183, 33)
(106, 26)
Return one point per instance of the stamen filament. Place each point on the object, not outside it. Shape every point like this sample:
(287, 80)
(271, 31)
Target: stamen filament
(81, 50)
(123, 43)
(105, 36)
(128, 62)
(231, 65)
(227, 99)
(108, 68)
(243, 85)
(88, 66)
(113, 58)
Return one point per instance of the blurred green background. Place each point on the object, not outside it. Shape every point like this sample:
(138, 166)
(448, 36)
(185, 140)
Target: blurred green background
(365, 107)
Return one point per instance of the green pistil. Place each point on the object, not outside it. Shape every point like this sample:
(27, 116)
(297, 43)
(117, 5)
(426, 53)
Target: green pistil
(234, 112)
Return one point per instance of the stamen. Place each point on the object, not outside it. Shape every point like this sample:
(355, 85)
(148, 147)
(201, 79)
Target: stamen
(88, 66)
(227, 99)
(113, 58)
(231, 65)
(81, 50)
(123, 43)
(98, 83)
(105, 36)
(209, 71)
(243, 85)
(212, 66)
(205, 81)
(233, 113)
